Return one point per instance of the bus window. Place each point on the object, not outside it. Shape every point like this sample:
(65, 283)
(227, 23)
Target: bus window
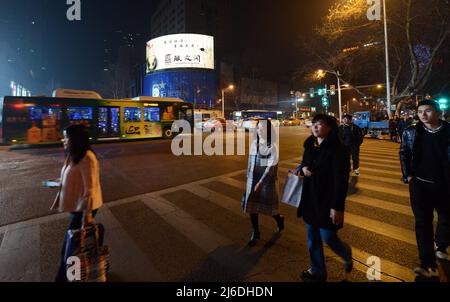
(45, 124)
(152, 114)
(79, 113)
(185, 114)
(168, 114)
(38, 114)
(35, 114)
(132, 115)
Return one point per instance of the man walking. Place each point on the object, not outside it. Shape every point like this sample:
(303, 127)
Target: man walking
(425, 160)
(353, 137)
(393, 129)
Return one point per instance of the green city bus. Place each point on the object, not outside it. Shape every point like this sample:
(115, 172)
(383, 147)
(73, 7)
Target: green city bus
(41, 120)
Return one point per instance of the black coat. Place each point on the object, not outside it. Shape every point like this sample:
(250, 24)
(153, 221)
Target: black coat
(409, 151)
(327, 188)
(356, 135)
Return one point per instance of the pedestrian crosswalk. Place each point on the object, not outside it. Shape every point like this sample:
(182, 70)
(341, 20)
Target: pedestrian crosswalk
(198, 232)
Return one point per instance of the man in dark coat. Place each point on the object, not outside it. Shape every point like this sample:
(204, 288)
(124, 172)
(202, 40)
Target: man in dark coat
(425, 160)
(393, 129)
(353, 137)
(326, 167)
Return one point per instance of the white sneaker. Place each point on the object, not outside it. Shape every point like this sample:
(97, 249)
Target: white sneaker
(357, 172)
(426, 273)
(442, 256)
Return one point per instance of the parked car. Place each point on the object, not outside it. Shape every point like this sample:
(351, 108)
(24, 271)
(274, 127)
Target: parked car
(291, 122)
(308, 123)
(215, 124)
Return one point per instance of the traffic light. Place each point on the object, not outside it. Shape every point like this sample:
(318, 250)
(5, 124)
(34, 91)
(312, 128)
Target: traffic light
(325, 101)
(311, 92)
(443, 104)
(333, 90)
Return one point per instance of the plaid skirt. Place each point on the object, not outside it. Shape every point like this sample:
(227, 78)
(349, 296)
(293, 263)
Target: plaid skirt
(266, 201)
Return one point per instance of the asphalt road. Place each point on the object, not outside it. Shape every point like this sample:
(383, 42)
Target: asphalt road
(127, 169)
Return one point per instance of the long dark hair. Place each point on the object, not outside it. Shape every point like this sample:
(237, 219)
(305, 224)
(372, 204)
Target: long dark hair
(270, 133)
(79, 143)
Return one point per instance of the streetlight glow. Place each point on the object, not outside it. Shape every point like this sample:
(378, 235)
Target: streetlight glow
(231, 88)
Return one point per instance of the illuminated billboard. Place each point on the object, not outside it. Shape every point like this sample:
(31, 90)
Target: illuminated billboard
(193, 86)
(180, 51)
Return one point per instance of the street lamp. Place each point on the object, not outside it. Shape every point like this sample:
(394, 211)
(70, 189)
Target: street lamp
(230, 88)
(388, 80)
(321, 73)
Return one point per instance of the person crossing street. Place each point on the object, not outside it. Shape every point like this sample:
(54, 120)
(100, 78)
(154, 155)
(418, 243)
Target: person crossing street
(352, 136)
(425, 161)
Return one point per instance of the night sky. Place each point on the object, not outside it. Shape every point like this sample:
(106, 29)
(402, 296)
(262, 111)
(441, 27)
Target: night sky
(73, 51)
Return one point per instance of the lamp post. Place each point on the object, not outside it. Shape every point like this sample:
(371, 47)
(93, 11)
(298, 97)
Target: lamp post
(231, 87)
(388, 80)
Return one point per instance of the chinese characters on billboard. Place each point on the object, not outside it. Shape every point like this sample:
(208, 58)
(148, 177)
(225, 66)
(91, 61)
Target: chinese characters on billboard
(180, 51)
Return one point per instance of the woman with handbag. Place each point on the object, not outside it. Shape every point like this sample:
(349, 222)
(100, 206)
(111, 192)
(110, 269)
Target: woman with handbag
(261, 196)
(80, 192)
(326, 170)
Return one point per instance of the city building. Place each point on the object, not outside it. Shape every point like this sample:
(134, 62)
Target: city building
(22, 66)
(222, 20)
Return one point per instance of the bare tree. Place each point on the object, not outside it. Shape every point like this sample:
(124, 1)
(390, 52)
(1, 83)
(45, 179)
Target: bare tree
(347, 41)
(114, 83)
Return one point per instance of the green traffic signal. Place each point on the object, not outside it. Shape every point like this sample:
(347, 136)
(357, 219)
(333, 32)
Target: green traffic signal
(443, 104)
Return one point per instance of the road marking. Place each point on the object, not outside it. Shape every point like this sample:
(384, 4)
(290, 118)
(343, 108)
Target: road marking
(394, 173)
(197, 232)
(381, 155)
(132, 265)
(381, 151)
(388, 267)
(401, 192)
(356, 220)
(378, 160)
(381, 228)
(390, 166)
(381, 189)
(395, 181)
(381, 204)
(20, 255)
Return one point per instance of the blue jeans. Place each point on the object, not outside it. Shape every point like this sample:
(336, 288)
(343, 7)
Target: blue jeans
(315, 247)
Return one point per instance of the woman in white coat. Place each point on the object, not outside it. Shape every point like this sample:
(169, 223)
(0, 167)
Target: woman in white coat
(80, 192)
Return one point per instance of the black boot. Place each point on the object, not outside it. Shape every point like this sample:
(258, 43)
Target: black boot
(255, 226)
(280, 222)
(254, 239)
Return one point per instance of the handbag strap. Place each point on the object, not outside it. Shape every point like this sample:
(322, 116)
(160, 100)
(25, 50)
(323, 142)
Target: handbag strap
(296, 171)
